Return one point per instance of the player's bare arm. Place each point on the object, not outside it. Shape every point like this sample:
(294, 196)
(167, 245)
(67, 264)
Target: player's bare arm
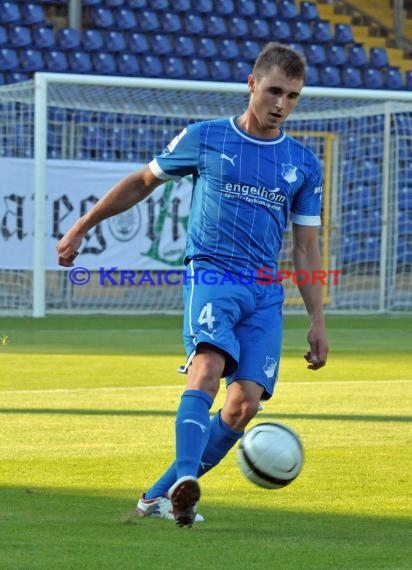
(125, 194)
(307, 257)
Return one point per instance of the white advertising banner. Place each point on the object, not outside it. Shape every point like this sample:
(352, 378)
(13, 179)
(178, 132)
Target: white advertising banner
(151, 235)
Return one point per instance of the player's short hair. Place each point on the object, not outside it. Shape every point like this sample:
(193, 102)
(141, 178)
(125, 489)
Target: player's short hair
(291, 62)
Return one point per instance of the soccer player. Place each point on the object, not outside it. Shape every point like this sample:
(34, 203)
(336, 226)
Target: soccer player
(249, 178)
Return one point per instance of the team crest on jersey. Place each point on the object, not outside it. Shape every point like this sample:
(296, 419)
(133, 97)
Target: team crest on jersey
(289, 172)
(269, 367)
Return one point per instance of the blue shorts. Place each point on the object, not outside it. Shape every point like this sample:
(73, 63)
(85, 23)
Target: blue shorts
(243, 320)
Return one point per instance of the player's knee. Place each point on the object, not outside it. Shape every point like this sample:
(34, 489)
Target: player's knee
(238, 414)
(205, 372)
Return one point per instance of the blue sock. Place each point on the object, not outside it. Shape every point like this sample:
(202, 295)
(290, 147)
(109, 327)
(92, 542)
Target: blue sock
(192, 431)
(221, 439)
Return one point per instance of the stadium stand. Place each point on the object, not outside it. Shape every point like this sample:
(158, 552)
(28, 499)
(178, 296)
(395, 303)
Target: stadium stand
(223, 37)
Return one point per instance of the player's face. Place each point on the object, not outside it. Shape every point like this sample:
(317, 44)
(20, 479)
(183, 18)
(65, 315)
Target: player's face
(273, 98)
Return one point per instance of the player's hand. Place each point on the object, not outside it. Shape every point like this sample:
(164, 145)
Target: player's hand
(68, 249)
(319, 348)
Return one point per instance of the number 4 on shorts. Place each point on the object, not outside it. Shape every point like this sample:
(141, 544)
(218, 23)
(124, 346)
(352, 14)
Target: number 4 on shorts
(206, 317)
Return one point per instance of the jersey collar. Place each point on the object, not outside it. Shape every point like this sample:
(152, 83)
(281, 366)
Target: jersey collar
(253, 139)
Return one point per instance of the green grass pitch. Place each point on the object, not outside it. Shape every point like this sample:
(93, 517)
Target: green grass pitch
(86, 423)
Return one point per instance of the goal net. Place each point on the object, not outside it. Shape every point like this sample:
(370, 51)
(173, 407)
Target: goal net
(66, 139)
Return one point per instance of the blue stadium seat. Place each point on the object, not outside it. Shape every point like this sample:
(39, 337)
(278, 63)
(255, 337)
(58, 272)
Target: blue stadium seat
(92, 40)
(56, 61)
(104, 63)
(343, 34)
(125, 19)
(250, 50)
(351, 77)
(174, 68)
(9, 13)
(120, 138)
(405, 223)
(67, 39)
(3, 36)
(114, 41)
(378, 57)
(322, 31)
(31, 60)
(220, 70)
(297, 47)
(207, 47)
(204, 6)
(350, 250)
(92, 137)
(197, 69)
(394, 79)
(181, 5)
(215, 26)
(19, 36)
(357, 56)
(137, 43)
(405, 196)
(246, 7)
(228, 49)
(147, 21)
(43, 37)
(32, 14)
(267, 9)
(16, 77)
(330, 76)
(193, 24)
(404, 250)
(309, 11)
(259, 28)
(161, 44)
(241, 71)
(301, 31)
(151, 66)
(113, 3)
(336, 55)
(90, 2)
(281, 31)
(155, 4)
(237, 27)
(171, 23)
(408, 80)
(371, 249)
(312, 75)
(102, 17)
(137, 4)
(80, 62)
(372, 78)
(127, 65)
(315, 54)
(184, 45)
(225, 8)
(287, 9)
(9, 60)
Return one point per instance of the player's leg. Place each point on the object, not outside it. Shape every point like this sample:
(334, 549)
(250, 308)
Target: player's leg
(192, 429)
(211, 313)
(259, 338)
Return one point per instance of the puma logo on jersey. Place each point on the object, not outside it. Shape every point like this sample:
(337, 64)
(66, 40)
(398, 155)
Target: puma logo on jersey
(209, 334)
(224, 156)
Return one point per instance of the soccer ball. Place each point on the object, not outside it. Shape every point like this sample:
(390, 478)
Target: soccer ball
(270, 455)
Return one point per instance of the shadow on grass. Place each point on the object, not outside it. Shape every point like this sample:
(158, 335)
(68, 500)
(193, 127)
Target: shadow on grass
(169, 413)
(58, 528)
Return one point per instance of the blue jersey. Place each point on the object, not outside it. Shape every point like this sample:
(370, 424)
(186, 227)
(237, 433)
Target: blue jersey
(244, 190)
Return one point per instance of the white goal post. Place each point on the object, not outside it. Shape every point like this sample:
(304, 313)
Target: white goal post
(64, 138)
